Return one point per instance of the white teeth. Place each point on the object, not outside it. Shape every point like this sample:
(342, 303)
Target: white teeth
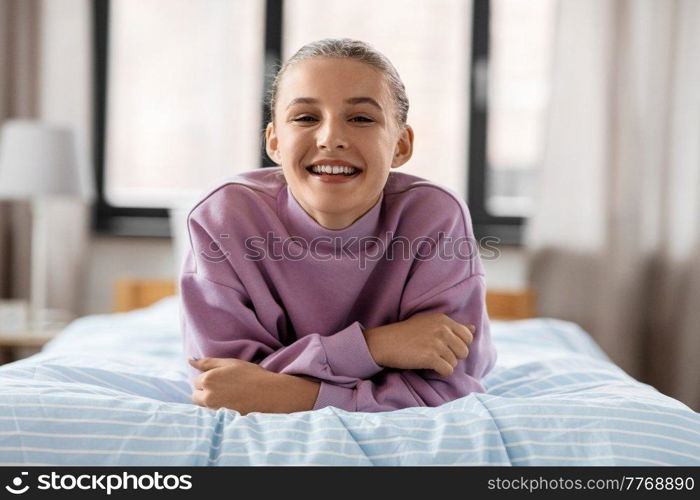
(328, 169)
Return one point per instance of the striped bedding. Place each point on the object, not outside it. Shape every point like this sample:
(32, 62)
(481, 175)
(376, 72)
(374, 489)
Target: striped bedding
(111, 390)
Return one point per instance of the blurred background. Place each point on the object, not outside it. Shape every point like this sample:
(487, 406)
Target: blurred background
(571, 127)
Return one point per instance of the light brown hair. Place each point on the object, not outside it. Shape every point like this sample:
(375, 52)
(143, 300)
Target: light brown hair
(347, 48)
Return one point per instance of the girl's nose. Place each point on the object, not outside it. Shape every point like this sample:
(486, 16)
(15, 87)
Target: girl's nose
(331, 136)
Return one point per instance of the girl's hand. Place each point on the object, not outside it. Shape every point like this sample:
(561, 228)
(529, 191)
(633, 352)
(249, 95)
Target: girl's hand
(432, 341)
(235, 384)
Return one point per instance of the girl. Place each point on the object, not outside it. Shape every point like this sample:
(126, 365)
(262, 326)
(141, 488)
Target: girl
(331, 280)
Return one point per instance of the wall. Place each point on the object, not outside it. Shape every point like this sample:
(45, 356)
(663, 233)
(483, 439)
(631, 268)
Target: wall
(508, 270)
(112, 257)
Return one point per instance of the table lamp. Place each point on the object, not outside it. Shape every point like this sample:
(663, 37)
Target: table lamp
(38, 161)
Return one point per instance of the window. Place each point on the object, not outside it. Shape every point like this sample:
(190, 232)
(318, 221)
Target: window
(177, 119)
(181, 109)
(511, 59)
(187, 79)
(182, 112)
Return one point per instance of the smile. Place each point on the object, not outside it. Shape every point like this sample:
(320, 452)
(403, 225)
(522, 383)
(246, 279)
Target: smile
(320, 170)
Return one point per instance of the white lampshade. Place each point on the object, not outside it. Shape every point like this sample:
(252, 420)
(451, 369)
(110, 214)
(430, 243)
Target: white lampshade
(37, 159)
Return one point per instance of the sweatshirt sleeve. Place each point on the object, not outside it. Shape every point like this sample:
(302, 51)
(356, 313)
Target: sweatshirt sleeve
(450, 280)
(219, 320)
(396, 389)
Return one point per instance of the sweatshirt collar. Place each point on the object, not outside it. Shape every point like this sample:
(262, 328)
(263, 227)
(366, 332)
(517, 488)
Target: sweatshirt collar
(300, 223)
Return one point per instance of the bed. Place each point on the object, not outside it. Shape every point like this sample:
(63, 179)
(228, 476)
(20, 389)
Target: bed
(111, 389)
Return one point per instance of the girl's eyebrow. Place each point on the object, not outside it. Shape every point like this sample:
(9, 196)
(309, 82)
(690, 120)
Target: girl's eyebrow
(352, 100)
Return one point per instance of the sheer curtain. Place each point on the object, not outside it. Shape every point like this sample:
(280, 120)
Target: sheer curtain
(23, 94)
(615, 240)
(19, 42)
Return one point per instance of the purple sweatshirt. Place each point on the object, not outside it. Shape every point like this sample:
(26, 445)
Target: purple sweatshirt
(264, 282)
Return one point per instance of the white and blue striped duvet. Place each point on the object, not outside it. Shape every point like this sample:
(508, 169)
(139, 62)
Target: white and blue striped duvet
(112, 390)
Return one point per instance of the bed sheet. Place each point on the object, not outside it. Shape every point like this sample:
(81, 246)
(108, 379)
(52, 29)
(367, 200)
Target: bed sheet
(112, 390)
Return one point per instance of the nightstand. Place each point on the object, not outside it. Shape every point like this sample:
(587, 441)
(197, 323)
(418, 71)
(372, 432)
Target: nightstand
(11, 343)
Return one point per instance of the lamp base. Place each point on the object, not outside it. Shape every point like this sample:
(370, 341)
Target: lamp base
(14, 315)
(50, 319)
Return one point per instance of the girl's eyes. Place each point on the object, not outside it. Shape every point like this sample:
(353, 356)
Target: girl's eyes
(302, 119)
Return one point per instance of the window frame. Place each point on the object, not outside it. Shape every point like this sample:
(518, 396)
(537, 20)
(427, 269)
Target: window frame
(508, 230)
(154, 222)
(143, 221)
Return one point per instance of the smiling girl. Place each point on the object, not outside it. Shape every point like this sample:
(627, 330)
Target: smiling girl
(333, 280)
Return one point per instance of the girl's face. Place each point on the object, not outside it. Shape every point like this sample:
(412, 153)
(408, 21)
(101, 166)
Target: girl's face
(336, 110)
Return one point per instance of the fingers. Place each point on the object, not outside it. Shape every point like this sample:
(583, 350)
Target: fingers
(470, 331)
(458, 347)
(449, 356)
(443, 367)
(206, 364)
(464, 332)
(201, 364)
(460, 340)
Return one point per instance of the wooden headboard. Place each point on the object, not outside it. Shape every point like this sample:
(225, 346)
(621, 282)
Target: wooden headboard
(135, 293)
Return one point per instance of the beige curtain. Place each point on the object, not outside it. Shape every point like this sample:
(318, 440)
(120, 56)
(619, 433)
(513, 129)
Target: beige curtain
(19, 70)
(614, 244)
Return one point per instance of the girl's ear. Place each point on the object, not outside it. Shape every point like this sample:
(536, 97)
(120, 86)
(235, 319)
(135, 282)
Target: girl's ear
(404, 148)
(271, 143)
